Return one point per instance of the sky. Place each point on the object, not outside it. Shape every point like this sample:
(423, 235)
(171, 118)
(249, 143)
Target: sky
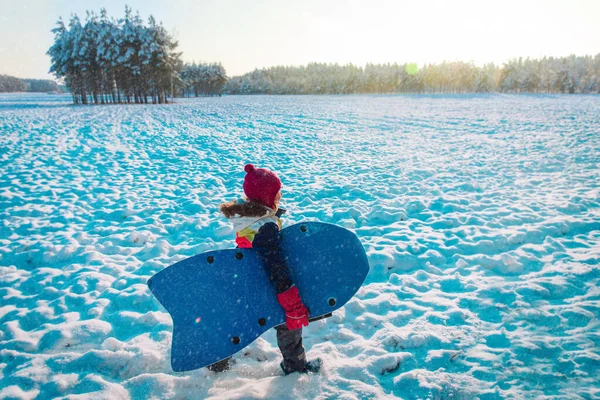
(244, 35)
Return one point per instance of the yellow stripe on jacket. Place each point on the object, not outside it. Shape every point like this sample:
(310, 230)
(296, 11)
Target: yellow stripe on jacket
(245, 237)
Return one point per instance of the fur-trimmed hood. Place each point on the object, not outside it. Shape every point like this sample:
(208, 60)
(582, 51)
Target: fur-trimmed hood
(245, 208)
(244, 213)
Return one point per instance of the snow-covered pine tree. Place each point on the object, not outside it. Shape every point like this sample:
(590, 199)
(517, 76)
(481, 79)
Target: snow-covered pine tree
(110, 61)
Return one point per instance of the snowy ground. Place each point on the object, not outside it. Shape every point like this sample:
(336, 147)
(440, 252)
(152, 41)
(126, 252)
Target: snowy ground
(480, 215)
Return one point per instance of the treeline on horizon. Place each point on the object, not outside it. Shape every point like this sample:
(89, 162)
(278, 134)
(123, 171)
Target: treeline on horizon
(106, 60)
(201, 80)
(12, 84)
(573, 74)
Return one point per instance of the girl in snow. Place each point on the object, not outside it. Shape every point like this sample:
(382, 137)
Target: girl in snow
(257, 224)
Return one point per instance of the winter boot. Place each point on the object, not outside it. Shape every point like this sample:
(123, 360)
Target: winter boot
(221, 366)
(313, 366)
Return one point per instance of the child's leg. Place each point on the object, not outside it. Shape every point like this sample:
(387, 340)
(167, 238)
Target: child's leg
(290, 344)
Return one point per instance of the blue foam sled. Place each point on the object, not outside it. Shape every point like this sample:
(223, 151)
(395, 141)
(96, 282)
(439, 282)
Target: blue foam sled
(221, 301)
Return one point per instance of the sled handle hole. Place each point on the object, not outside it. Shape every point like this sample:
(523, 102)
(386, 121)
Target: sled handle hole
(303, 228)
(235, 340)
(239, 255)
(332, 302)
(262, 322)
(210, 259)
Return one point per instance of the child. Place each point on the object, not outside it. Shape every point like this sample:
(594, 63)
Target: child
(257, 224)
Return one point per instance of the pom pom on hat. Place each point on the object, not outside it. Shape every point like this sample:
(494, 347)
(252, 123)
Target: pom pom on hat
(261, 185)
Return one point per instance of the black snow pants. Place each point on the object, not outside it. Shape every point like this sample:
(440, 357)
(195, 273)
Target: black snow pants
(290, 345)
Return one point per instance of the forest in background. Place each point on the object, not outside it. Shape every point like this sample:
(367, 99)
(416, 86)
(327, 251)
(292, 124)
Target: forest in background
(106, 60)
(127, 60)
(13, 84)
(573, 74)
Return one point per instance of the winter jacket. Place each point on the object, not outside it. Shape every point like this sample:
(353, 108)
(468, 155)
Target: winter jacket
(257, 227)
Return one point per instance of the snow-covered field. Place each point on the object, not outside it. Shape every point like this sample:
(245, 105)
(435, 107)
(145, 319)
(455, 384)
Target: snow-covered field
(480, 216)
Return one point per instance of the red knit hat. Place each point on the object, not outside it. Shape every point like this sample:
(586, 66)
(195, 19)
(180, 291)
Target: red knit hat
(261, 185)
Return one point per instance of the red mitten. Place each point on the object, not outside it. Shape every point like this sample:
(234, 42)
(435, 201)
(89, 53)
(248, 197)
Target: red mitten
(296, 315)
